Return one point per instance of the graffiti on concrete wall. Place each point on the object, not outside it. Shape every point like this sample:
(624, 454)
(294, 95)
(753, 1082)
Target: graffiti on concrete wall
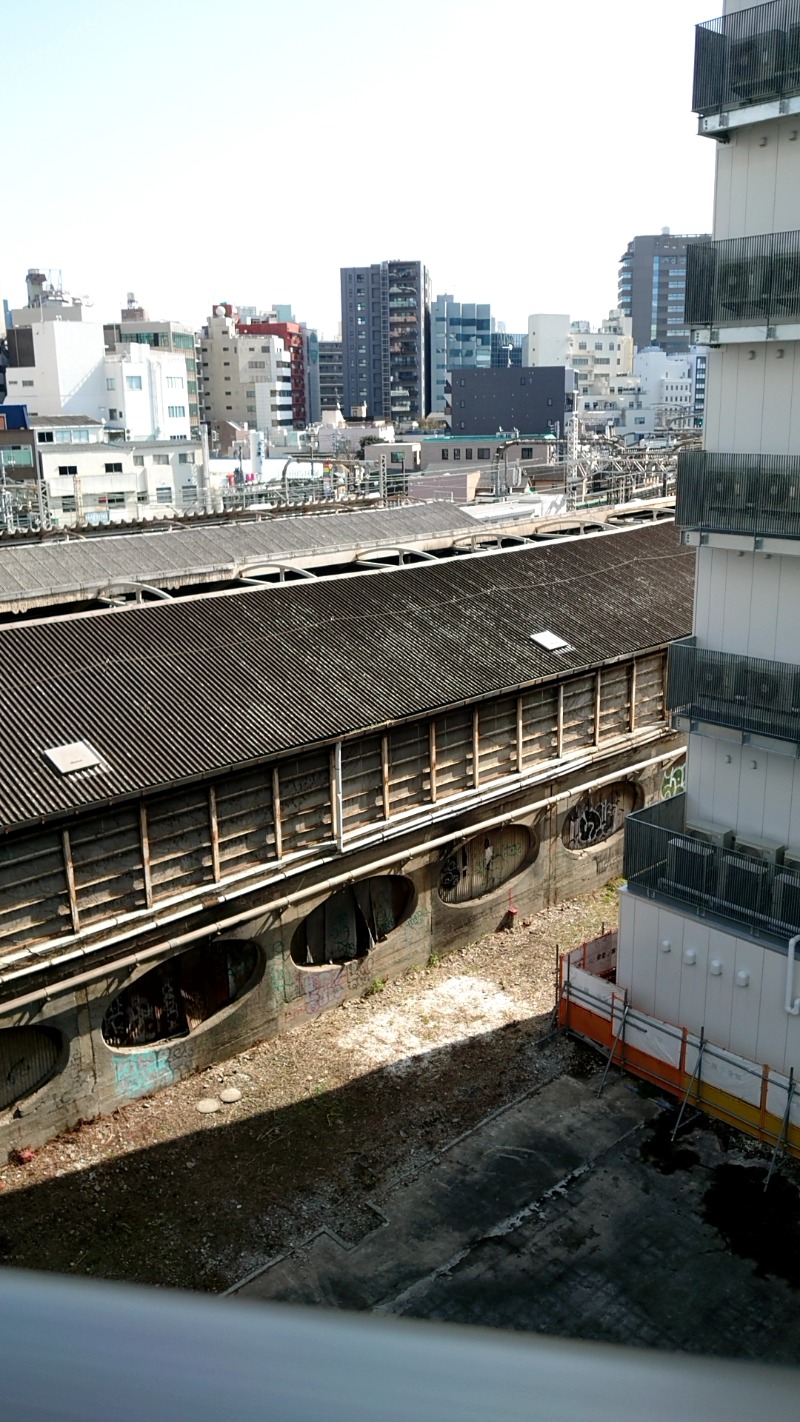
(674, 780)
(482, 864)
(598, 816)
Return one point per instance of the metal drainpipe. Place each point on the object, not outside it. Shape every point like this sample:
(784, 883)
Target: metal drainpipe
(46, 993)
(792, 1006)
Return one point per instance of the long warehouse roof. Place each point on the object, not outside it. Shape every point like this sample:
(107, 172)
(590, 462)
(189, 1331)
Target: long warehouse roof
(174, 690)
(37, 574)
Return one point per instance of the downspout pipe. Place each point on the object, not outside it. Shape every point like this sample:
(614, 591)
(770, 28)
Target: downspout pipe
(792, 1004)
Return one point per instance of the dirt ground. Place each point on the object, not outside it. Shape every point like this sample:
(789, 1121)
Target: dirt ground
(330, 1118)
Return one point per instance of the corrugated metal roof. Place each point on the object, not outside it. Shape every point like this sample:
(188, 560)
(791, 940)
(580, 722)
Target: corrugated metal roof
(45, 573)
(180, 689)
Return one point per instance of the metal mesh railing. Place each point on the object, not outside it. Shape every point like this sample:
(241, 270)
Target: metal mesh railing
(746, 693)
(755, 494)
(747, 57)
(743, 280)
(663, 860)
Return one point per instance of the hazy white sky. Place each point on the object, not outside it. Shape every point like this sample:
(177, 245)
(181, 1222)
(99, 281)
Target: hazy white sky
(195, 152)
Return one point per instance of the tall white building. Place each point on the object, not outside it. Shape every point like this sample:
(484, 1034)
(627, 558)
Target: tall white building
(147, 393)
(548, 339)
(710, 917)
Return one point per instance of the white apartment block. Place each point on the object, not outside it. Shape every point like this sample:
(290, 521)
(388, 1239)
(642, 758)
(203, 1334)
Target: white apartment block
(91, 479)
(146, 391)
(244, 379)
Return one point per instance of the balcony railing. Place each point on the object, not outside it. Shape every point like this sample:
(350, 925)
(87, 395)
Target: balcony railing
(747, 57)
(744, 280)
(749, 694)
(756, 494)
(664, 860)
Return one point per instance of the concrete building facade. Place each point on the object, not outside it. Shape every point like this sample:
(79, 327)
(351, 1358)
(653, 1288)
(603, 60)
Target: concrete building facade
(706, 978)
(232, 368)
(136, 328)
(331, 375)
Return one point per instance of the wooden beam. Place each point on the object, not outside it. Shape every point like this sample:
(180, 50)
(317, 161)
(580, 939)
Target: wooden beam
(560, 722)
(337, 796)
(70, 875)
(597, 692)
(276, 811)
(520, 758)
(632, 696)
(144, 837)
(386, 782)
(432, 757)
(476, 747)
(212, 820)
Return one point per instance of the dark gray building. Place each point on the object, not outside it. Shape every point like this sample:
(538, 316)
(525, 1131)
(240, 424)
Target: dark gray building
(652, 290)
(331, 377)
(386, 339)
(531, 400)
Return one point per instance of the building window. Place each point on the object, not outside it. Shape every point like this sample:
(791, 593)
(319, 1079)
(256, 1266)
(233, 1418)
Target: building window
(111, 384)
(161, 459)
(445, 454)
(45, 436)
(185, 458)
(113, 468)
(114, 415)
(456, 453)
(256, 365)
(114, 500)
(163, 496)
(484, 454)
(527, 451)
(133, 382)
(68, 503)
(467, 453)
(176, 412)
(174, 382)
(29, 383)
(138, 460)
(68, 471)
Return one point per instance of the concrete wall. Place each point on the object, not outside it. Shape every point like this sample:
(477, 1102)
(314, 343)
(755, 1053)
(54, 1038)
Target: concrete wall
(92, 1078)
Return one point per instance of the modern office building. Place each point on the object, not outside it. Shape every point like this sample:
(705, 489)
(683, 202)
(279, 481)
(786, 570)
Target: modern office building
(652, 288)
(707, 994)
(331, 376)
(386, 339)
(461, 337)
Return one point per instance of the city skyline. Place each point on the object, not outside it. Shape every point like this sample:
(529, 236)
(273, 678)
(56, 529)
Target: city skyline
(177, 189)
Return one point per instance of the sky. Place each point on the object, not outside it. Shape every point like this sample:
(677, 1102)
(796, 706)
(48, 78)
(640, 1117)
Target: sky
(196, 152)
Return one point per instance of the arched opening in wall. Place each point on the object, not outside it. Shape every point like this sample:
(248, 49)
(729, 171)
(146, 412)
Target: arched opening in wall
(175, 998)
(480, 865)
(350, 923)
(599, 815)
(28, 1056)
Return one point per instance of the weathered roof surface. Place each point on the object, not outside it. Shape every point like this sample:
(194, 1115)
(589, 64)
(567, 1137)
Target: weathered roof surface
(51, 422)
(34, 575)
(180, 689)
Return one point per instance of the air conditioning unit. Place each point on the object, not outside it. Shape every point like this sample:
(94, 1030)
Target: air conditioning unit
(766, 689)
(777, 490)
(754, 64)
(790, 78)
(743, 883)
(714, 835)
(690, 867)
(791, 859)
(785, 293)
(786, 901)
(767, 850)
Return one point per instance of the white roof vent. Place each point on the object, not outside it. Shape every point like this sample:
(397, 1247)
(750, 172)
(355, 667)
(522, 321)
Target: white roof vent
(551, 642)
(78, 755)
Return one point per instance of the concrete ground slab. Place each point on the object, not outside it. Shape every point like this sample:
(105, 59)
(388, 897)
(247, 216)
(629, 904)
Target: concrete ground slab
(563, 1214)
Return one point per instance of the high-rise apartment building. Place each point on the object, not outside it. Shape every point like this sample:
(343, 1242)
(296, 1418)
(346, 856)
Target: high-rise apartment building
(386, 339)
(710, 918)
(652, 288)
(461, 338)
